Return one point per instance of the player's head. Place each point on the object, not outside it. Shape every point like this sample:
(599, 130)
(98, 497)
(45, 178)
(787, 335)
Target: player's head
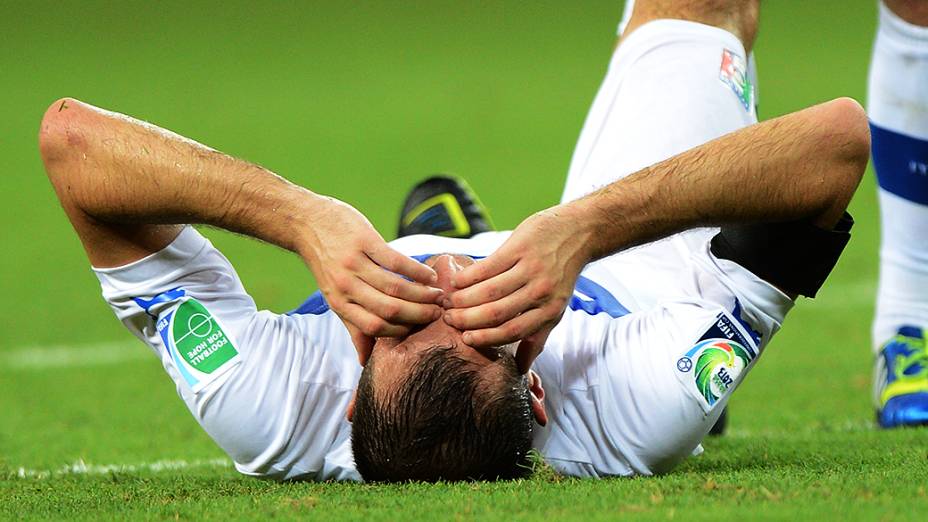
(429, 407)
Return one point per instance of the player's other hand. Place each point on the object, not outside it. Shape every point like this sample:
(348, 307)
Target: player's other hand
(519, 293)
(360, 276)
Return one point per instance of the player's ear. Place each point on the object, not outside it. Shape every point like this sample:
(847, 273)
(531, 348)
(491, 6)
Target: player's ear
(538, 397)
(350, 412)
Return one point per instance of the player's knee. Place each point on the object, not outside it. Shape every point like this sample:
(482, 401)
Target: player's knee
(57, 132)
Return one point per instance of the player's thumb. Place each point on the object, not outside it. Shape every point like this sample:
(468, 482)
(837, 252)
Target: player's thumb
(364, 344)
(529, 348)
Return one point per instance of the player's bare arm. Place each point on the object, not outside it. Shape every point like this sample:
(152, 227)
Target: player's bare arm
(127, 186)
(803, 166)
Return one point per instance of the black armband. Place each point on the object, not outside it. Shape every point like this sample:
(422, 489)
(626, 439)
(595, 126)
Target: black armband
(795, 256)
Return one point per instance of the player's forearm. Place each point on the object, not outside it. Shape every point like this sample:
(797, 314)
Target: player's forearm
(116, 169)
(805, 165)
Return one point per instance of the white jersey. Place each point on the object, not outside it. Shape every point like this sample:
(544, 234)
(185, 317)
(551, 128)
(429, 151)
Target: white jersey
(651, 346)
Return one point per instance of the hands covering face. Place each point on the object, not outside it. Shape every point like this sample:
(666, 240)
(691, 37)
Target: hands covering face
(520, 292)
(360, 277)
(517, 294)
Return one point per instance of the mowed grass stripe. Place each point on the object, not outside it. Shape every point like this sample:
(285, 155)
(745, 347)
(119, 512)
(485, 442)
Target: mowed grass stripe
(82, 468)
(71, 356)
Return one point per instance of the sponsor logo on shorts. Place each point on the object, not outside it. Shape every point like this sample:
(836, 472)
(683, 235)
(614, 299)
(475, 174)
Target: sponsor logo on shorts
(734, 74)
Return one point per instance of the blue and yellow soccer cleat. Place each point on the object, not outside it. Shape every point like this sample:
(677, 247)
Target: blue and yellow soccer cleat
(902, 380)
(443, 205)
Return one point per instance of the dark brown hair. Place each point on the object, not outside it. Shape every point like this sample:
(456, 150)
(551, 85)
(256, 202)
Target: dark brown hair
(448, 419)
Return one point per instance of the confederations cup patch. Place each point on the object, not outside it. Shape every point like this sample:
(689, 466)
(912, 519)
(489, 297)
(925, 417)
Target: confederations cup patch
(719, 357)
(733, 73)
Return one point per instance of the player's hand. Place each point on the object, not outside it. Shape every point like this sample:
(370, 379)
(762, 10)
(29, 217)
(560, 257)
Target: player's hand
(360, 277)
(519, 293)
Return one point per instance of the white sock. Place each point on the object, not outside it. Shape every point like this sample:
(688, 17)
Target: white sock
(898, 110)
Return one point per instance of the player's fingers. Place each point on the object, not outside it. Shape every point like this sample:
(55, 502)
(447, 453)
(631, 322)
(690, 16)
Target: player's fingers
(492, 289)
(529, 349)
(370, 324)
(393, 261)
(511, 331)
(499, 262)
(490, 314)
(396, 286)
(392, 310)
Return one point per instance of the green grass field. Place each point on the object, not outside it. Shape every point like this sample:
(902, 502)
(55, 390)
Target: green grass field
(359, 101)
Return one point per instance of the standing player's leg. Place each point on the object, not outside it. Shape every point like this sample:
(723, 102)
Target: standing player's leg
(898, 109)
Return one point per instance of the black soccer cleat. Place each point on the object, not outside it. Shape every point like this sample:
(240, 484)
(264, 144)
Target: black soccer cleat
(443, 205)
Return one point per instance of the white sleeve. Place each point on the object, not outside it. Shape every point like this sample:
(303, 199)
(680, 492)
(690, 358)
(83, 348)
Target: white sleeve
(615, 404)
(636, 394)
(186, 303)
(672, 368)
(270, 389)
(666, 374)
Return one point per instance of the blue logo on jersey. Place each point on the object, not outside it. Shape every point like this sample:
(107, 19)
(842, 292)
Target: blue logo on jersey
(164, 297)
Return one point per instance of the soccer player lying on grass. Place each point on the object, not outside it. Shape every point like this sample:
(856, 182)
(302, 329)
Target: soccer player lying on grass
(653, 341)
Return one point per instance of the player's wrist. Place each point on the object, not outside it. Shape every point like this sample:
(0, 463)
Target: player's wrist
(307, 221)
(584, 230)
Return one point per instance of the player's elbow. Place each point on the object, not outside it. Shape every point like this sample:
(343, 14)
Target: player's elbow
(845, 132)
(849, 120)
(60, 133)
(849, 133)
